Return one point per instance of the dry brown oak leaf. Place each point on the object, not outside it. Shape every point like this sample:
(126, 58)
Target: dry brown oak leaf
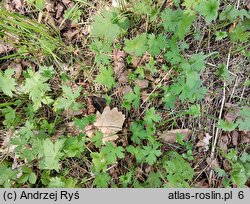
(204, 142)
(170, 136)
(109, 123)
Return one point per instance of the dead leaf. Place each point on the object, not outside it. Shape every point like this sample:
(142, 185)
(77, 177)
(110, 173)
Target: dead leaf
(144, 96)
(232, 27)
(248, 6)
(213, 163)
(124, 90)
(136, 62)
(201, 184)
(224, 140)
(119, 54)
(109, 138)
(123, 79)
(90, 130)
(26, 64)
(96, 103)
(115, 172)
(17, 66)
(169, 3)
(149, 77)
(119, 66)
(235, 136)
(5, 135)
(170, 136)
(5, 48)
(146, 58)
(109, 123)
(90, 108)
(59, 132)
(50, 6)
(245, 137)
(232, 114)
(14, 5)
(226, 165)
(66, 2)
(5, 147)
(71, 128)
(69, 113)
(69, 34)
(140, 61)
(142, 83)
(59, 11)
(204, 142)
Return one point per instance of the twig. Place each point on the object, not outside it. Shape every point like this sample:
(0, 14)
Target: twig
(238, 4)
(111, 167)
(203, 170)
(156, 87)
(40, 16)
(220, 114)
(235, 85)
(243, 91)
(213, 65)
(146, 108)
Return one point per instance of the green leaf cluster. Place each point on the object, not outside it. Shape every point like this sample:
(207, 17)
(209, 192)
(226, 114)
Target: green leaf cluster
(68, 99)
(179, 172)
(108, 155)
(108, 25)
(51, 154)
(105, 77)
(132, 98)
(37, 87)
(240, 169)
(177, 22)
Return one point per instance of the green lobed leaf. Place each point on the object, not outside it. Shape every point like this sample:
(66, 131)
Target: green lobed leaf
(7, 82)
(209, 9)
(102, 180)
(151, 154)
(244, 120)
(74, 146)
(103, 26)
(56, 182)
(132, 98)
(68, 99)
(220, 35)
(37, 87)
(240, 34)
(151, 116)
(137, 46)
(105, 77)
(52, 153)
(138, 132)
(171, 19)
(156, 44)
(226, 125)
(97, 139)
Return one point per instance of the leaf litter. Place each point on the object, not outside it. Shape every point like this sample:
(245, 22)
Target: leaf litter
(109, 123)
(204, 142)
(171, 136)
